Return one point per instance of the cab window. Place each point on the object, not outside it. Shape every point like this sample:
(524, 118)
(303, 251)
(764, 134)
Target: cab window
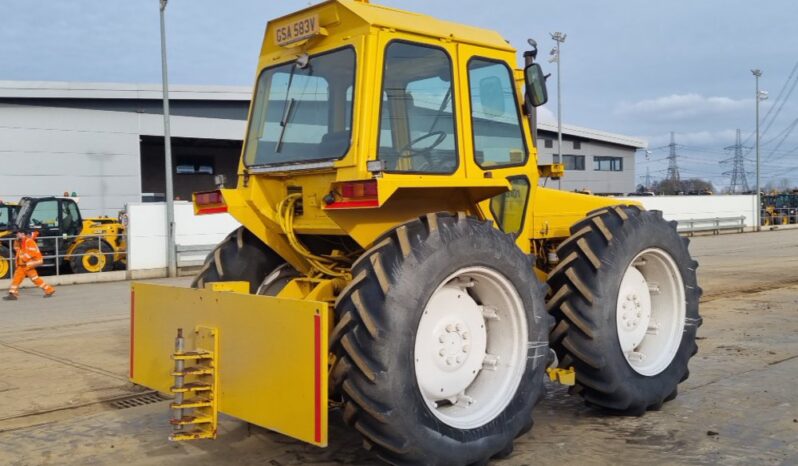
(5, 216)
(45, 214)
(417, 126)
(70, 219)
(508, 208)
(498, 137)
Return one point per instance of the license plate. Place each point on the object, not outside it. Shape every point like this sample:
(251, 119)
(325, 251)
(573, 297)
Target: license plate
(298, 30)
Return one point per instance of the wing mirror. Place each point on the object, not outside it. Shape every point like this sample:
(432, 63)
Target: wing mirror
(536, 93)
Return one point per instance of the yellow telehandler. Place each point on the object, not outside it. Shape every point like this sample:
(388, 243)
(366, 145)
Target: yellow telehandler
(399, 261)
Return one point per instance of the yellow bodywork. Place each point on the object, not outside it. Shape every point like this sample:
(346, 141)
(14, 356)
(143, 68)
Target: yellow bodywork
(111, 233)
(272, 361)
(267, 344)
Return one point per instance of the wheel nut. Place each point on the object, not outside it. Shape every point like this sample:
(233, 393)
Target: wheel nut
(442, 339)
(459, 359)
(442, 352)
(450, 361)
(450, 328)
(464, 335)
(466, 348)
(459, 327)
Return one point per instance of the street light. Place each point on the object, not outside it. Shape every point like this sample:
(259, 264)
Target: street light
(167, 143)
(760, 96)
(559, 38)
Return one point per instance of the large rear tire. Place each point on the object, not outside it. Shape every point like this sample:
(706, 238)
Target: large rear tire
(625, 299)
(441, 343)
(240, 257)
(92, 257)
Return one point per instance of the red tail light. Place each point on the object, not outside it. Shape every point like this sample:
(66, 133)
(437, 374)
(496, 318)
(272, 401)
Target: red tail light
(211, 202)
(356, 194)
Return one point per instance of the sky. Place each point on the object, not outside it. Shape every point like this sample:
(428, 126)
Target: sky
(637, 67)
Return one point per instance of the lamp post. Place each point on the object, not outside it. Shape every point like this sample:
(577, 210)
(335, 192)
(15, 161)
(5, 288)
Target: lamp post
(559, 38)
(171, 260)
(760, 96)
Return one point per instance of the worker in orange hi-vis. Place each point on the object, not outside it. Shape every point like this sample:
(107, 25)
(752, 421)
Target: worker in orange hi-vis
(28, 258)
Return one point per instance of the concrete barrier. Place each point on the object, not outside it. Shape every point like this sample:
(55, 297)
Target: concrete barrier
(683, 208)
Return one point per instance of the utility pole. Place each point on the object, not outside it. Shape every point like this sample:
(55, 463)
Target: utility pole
(171, 260)
(559, 38)
(739, 178)
(760, 96)
(673, 166)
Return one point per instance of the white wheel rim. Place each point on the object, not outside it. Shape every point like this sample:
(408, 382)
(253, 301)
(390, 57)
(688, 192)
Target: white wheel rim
(471, 347)
(650, 311)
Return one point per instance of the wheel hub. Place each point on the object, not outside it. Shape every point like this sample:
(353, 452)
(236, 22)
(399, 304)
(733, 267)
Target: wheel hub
(650, 312)
(454, 325)
(454, 346)
(471, 347)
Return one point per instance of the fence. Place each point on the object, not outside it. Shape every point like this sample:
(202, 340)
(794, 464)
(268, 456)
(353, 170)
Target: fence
(780, 216)
(54, 252)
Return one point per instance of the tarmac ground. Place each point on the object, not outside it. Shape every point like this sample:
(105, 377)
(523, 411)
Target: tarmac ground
(65, 397)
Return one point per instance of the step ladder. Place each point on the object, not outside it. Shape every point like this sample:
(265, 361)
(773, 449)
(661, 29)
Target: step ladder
(194, 410)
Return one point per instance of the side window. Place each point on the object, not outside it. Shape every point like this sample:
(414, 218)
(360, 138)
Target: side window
(70, 219)
(508, 208)
(417, 130)
(498, 137)
(45, 214)
(5, 216)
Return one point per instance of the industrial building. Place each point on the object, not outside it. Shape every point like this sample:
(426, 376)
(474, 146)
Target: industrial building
(104, 142)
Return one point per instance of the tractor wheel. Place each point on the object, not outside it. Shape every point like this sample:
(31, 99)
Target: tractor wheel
(239, 257)
(89, 258)
(5, 263)
(441, 341)
(625, 299)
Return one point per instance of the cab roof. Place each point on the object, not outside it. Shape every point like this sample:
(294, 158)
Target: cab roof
(414, 23)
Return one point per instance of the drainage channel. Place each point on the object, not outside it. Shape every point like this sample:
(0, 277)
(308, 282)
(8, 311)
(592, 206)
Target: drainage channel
(47, 416)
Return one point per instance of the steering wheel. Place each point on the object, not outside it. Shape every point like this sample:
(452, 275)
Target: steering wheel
(441, 136)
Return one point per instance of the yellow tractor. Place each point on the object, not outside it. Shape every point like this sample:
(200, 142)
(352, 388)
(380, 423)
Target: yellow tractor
(399, 262)
(66, 239)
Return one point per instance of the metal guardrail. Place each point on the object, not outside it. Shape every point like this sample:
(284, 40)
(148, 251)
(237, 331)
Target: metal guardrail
(194, 250)
(57, 255)
(715, 225)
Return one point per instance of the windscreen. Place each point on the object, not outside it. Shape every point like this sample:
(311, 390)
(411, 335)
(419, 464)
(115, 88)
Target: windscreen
(303, 112)
(6, 216)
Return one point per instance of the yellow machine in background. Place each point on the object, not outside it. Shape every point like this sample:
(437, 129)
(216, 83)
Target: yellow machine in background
(399, 261)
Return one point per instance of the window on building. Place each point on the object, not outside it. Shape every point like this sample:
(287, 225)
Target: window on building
(555, 158)
(607, 164)
(508, 208)
(548, 143)
(573, 162)
(417, 131)
(496, 122)
(194, 166)
(577, 144)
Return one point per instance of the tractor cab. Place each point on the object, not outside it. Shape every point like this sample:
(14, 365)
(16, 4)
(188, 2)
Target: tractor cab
(57, 221)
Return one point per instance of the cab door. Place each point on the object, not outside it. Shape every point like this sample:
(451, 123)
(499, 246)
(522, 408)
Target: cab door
(497, 143)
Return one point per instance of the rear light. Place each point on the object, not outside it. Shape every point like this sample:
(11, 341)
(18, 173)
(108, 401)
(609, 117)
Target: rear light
(355, 194)
(211, 202)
